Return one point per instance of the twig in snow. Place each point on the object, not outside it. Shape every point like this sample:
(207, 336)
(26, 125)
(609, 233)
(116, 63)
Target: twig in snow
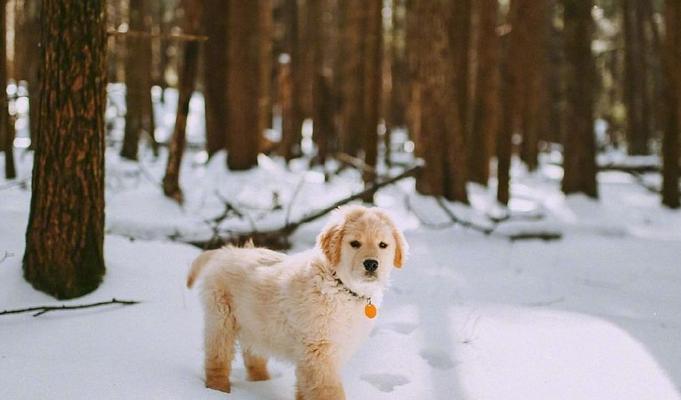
(297, 190)
(45, 309)
(6, 256)
(462, 222)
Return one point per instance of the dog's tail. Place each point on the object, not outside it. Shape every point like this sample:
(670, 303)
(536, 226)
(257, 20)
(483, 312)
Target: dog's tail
(198, 265)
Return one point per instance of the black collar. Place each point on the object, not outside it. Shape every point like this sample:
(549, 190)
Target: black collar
(341, 285)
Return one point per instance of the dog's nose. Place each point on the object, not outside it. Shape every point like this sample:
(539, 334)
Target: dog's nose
(370, 265)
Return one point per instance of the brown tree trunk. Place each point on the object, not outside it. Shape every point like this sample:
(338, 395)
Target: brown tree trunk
(533, 90)
(291, 83)
(27, 56)
(486, 104)
(187, 77)
(510, 82)
(440, 134)
(372, 60)
(139, 116)
(460, 40)
(399, 76)
(215, 74)
(6, 127)
(250, 31)
(670, 143)
(636, 77)
(322, 109)
(64, 240)
(352, 21)
(579, 147)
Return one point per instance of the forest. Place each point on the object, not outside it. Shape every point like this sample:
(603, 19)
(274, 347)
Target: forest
(530, 150)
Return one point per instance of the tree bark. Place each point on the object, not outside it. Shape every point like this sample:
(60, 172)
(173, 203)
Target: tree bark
(399, 76)
(672, 69)
(6, 126)
(250, 31)
(139, 115)
(636, 78)
(291, 83)
(215, 74)
(440, 134)
(579, 148)
(64, 240)
(352, 22)
(486, 104)
(187, 77)
(27, 56)
(460, 38)
(372, 68)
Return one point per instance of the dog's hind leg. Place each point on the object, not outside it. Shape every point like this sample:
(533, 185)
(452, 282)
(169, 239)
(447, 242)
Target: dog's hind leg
(220, 336)
(256, 367)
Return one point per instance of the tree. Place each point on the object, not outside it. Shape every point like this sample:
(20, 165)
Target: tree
(636, 77)
(65, 235)
(352, 16)
(398, 95)
(579, 147)
(250, 43)
(215, 74)
(291, 84)
(670, 143)
(6, 127)
(322, 103)
(27, 55)
(139, 115)
(439, 133)
(187, 76)
(486, 102)
(372, 68)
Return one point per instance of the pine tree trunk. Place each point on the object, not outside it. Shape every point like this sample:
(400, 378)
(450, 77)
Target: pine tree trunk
(291, 83)
(27, 56)
(139, 113)
(215, 74)
(460, 38)
(372, 60)
(6, 127)
(352, 21)
(636, 76)
(64, 240)
(439, 130)
(486, 104)
(399, 76)
(579, 148)
(187, 78)
(670, 143)
(510, 82)
(250, 31)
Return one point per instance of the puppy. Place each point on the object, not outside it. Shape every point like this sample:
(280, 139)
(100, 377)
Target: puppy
(313, 308)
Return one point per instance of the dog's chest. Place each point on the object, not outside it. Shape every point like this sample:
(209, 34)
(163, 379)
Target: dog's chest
(350, 328)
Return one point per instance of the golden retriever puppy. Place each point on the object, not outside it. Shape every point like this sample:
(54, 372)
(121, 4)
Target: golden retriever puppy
(313, 308)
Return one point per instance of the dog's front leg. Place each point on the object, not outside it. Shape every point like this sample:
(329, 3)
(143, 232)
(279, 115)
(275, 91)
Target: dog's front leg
(317, 377)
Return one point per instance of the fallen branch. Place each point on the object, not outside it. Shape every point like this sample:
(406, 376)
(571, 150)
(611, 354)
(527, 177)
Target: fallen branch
(45, 309)
(462, 222)
(278, 238)
(6, 256)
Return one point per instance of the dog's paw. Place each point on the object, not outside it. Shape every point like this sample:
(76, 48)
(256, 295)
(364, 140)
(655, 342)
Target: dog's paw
(257, 374)
(220, 384)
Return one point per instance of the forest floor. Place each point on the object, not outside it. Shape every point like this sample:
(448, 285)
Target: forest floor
(593, 315)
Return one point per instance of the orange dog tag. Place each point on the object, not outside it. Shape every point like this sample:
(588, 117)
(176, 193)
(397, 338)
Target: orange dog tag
(370, 311)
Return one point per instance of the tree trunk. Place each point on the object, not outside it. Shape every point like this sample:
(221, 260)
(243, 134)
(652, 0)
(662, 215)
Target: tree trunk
(215, 74)
(27, 56)
(579, 148)
(64, 240)
(250, 31)
(460, 38)
(187, 77)
(399, 76)
(636, 77)
(291, 83)
(439, 130)
(6, 126)
(372, 60)
(486, 104)
(352, 21)
(670, 143)
(139, 116)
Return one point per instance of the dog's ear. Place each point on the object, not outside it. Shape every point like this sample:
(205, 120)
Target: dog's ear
(401, 248)
(330, 241)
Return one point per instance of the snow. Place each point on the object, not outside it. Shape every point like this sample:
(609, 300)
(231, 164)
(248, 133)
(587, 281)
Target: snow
(594, 315)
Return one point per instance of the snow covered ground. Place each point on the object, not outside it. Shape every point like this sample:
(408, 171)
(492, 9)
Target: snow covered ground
(595, 315)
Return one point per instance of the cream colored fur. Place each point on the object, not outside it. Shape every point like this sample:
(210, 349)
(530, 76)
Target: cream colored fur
(292, 307)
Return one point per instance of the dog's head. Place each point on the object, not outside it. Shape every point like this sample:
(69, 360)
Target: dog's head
(363, 245)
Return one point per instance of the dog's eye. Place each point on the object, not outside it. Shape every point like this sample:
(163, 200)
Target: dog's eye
(383, 245)
(356, 244)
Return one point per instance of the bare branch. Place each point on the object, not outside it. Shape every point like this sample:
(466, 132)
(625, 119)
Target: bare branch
(45, 309)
